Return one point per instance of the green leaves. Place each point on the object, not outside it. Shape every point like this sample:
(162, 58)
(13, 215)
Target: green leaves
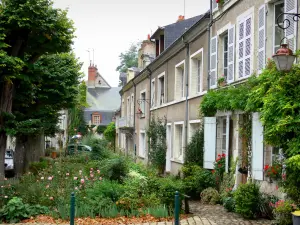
(275, 94)
(157, 140)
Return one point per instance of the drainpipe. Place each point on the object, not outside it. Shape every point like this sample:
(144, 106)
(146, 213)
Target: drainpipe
(134, 104)
(149, 106)
(208, 45)
(187, 60)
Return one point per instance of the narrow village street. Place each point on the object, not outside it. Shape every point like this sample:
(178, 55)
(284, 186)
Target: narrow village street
(137, 111)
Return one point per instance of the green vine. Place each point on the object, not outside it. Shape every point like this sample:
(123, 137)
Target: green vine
(157, 141)
(275, 94)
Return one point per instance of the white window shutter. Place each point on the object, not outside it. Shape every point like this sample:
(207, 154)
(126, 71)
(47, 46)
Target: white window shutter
(231, 50)
(248, 47)
(213, 61)
(210, 132)
(257, 148)
(261, 38)
(290, 6)
(227, 143)
(240, 46)
(215, 5)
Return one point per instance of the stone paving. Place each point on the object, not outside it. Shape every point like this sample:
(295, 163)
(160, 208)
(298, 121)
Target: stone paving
(205, 215)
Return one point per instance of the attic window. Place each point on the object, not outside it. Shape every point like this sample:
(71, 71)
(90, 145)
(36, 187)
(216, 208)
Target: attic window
(96, 118)
(99, 82)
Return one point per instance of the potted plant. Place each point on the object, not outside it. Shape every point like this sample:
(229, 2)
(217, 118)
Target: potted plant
(273, 171)
(243, 170)
(296, 218)
(222, 81)
(220, 2)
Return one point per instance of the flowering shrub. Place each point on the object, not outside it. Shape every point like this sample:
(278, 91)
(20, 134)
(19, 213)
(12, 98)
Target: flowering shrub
(282, 210)
(219, 168)
(273, 171)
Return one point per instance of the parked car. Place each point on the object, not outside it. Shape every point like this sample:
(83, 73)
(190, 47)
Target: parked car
(80, 148)
(9, 166)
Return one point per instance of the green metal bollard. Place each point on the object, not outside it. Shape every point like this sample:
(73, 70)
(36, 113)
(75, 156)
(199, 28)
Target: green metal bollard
(176, 211)
(72, 209)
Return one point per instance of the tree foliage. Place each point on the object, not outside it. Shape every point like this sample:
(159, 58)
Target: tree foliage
(29, 30)
(76, 113)
(110, 132)
(129, 58)
(51, 85)
(157, 141)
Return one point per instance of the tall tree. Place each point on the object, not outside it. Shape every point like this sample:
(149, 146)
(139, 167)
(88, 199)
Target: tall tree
(52, 85)
(129, 58)
(30, 28)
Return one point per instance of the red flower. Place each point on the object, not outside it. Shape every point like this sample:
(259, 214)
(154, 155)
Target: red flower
(213, 171)
(219, 165)
(276, 187)
(223, 155)
(266, 167)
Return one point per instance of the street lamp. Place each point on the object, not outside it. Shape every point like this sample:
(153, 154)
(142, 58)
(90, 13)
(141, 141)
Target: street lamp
(284, 58)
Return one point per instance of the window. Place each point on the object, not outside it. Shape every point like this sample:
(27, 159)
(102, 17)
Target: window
(128, 107)
(244, 47)
(132, 110)
(142, 144)
(278, 32)
(179, 81)
(161, 89)
(153, 93)
(194, 127)
(196, 73)
(96, 119)
(143, 104)
(178, 142)
(225, 55)
(275, 154)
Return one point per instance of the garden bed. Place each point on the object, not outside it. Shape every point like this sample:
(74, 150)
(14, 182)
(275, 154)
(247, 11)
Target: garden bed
(103, 221)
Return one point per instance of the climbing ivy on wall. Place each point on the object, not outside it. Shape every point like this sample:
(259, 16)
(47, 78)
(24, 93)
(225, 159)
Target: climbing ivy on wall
(275, 94)
(157, 141)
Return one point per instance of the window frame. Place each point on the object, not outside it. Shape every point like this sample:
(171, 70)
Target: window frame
(242, 20)
(153, 95)
(142, 148)
(225, 43)
(274, 22)
(159, 89)
(142, 103)
(94, 116)
(177, 154)
(180, 71)
(191, 133)
(194, 59)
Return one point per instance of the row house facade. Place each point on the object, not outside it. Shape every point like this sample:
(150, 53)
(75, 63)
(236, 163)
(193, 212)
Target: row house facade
(243, 35)
(233, 40)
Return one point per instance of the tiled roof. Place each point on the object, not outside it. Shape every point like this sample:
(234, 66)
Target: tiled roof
(103, 99)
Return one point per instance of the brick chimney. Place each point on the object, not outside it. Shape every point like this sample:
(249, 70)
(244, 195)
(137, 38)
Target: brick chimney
(180, 18)
(92, 75)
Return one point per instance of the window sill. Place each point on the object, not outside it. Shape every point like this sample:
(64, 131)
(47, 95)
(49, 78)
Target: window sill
(142, 156)
(177, 160)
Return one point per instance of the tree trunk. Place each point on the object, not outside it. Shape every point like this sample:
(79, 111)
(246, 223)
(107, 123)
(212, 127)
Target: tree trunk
(34, 150)
(5, 107)
(19, 156)
(28, 149)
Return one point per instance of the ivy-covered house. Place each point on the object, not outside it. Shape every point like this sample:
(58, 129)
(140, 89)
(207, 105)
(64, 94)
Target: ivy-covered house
(244, 34)
(102, 99)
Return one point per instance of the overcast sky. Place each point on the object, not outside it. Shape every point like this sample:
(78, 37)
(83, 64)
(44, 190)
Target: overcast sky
(109, 26)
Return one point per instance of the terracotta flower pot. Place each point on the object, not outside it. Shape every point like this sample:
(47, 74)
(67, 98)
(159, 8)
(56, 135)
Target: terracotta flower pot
(53, 155)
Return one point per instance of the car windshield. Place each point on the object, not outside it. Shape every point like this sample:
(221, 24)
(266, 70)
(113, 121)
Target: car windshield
(8, 155)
